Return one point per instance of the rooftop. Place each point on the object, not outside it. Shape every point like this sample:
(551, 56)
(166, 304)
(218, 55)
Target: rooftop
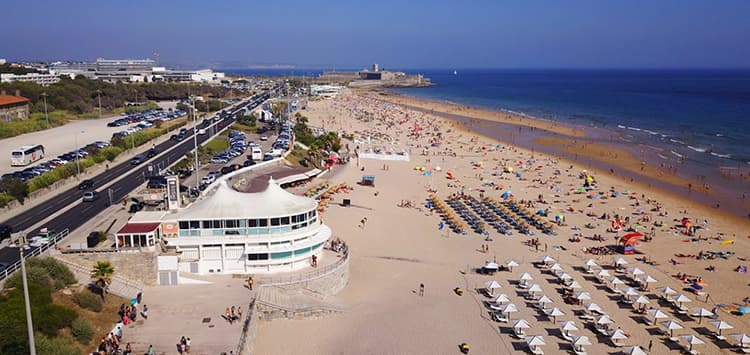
(10, 99)
(137, 228)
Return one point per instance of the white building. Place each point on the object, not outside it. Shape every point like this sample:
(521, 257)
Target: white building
(228, 231)
(39, 78)
(2, 61)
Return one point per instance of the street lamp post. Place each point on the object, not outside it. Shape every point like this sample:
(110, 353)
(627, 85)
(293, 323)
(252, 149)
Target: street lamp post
(99, 95)
(46, 115)
(195, 143)
(78, 155)
(29, 324)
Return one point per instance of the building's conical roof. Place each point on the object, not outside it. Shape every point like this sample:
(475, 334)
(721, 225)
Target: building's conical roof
(228, 203)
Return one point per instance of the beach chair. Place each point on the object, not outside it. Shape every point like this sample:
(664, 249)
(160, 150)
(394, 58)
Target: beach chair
(499, 317)
(519, 333)
(743, 349)
(536, 350)
(580, 352)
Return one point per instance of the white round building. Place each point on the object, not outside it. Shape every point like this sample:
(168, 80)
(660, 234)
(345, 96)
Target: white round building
(228, 231)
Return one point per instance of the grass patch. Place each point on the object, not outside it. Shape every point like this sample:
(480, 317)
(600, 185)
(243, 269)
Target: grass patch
(101, 322)
(36, 122)
(243, 127)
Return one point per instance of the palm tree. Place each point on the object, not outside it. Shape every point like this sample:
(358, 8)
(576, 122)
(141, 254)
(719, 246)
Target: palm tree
(102, 275)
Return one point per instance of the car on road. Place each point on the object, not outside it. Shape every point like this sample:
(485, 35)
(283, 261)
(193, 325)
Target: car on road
(140, 158)
(201, 131)
(86, 184)
(90, 196)
(5, 231)
(151, 153)
(263, 138)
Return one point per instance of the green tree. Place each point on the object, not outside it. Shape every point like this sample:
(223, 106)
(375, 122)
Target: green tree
(278, 108)
(102, 275)
(15, 188)
(55, 346)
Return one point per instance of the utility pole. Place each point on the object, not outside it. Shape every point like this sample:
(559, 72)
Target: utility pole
(78, 154)
(29, 324)
(99, 94)
(195, 142)
(46, 116)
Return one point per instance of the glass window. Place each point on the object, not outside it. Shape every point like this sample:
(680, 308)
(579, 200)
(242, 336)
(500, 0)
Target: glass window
(241, 223)
(252, 223)
(275, 221)
(310, 214)
(232, 232)
(230, 223)
(284, 221)
(294, 219)
(207, 224)
(282, 255)
(257, 256)
(301, 218)
(217, 224)
(195, 225)
(263, 223)
(184, 225)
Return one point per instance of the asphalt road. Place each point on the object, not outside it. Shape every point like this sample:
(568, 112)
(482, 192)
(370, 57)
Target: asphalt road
(134, 176)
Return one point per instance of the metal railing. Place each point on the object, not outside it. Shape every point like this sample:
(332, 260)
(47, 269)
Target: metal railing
(246, 327)
(309, 276)
(5, 273)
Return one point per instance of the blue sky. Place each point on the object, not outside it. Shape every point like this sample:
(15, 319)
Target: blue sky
(396, 34)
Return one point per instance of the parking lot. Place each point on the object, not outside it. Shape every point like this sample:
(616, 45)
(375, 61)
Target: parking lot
(61, 140)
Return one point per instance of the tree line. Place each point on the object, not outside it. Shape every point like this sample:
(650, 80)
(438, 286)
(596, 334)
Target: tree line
(81, 95)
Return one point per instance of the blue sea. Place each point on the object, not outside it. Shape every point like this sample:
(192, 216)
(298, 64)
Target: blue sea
(700, 115)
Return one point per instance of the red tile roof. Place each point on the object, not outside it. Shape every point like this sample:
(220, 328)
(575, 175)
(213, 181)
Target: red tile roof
(9, 99)
(138, 228)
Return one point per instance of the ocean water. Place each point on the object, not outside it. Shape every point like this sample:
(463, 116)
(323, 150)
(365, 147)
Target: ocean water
(697, 115)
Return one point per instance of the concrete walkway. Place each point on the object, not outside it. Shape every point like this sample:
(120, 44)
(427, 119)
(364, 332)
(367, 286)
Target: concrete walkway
(193, 311)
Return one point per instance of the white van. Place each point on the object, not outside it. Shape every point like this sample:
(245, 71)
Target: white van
(256, 154)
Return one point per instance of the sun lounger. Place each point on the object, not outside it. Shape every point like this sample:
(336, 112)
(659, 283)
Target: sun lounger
(536, 350)
(499, 317)
(519, 333)
(721, 337)
(602, 331)
(744, 350)
(566, 337)
(581, 352)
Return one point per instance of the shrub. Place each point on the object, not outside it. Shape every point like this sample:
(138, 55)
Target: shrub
(82, 330)
(14, 188)
(59, 273)
(36, 275)
(88, 300)
(50, 318)
(55, 346)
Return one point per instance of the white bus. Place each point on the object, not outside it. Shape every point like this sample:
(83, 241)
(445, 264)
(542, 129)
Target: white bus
(26, 155)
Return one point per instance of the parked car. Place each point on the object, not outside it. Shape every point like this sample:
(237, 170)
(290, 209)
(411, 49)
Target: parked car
(208, 179)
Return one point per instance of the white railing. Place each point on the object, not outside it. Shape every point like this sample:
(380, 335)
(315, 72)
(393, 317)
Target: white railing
(305, 277)
(5, 273)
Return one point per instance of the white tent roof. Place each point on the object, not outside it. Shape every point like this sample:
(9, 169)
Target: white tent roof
(511, 263)
(618, 334)
(526, 276)
(574, 284)
(641, 299)
(228, 203)
(604, 319)
(509, 308)
(720, 324)
(603, 273)
(633, 350)
(592, 307)
(555, 267)
(590, 262)
(741, 338)
(492, 285)
(581, 340)
(671, 325)
(568, 325)
(535, 340)
(616, 281)
(667, 290)
(691, 339)
(502, 298)
(621, 261)
(521, 324)
(554, 312)
(544, 299)
(701, 312)
(491, 265)
(647, 279)
(582, 296)
(682, 299)
(657, 313)
(535, 288)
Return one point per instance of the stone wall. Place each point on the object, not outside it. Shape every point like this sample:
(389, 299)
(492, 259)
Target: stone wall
(250, 331)
(135, 266)
(327, 285)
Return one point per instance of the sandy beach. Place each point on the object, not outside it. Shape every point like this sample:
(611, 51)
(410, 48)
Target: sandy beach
(396, 245)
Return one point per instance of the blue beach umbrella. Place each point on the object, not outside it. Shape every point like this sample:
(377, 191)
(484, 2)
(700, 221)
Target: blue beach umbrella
(696, 287)
(743, 310)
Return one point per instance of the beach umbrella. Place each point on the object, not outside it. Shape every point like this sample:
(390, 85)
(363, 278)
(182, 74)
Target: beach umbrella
(548, 259)
(672, 326)
(617, 334)
(647, 279)
(691, 340)
(590, 263)
(581, 341)
(509, 308)
(721, 325)
(701, 312)
(633, 350)
(680, 299)
(492, 285)
(556, 267)
(602, 273)
(544, 300)
(565, 276)
(525, 277)
(491, 265)
(657, 314)
(603, 319)
(592, 307)
(502, 298)
(741, 338)
(510, 264)
(521, 324)
(554, 312)
(666, 290)
(582, 296)
(568, 326)
(616, 281)
(535, 340)
(641, 300)
(629, 291)
(620, 262)
(574, 285)
(535, 288)
(635, 272)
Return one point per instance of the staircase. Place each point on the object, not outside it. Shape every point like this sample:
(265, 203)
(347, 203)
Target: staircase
(274, 303)
(119, 286)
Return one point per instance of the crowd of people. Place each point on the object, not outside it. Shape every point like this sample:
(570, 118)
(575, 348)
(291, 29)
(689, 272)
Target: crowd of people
(232, 314)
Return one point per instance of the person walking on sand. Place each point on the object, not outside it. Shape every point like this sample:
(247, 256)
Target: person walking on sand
(421, 290)
(250, 282)
(650, 345)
